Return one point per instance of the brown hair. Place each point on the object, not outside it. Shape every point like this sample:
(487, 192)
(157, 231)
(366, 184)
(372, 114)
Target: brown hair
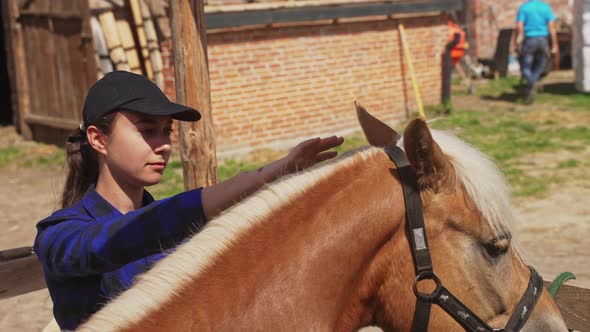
(82, 162)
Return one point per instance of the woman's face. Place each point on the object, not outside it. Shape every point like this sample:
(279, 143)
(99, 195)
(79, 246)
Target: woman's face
(138, 148)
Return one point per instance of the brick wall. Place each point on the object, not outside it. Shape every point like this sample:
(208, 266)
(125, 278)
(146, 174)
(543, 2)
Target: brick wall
(489, 16)
(272, 87)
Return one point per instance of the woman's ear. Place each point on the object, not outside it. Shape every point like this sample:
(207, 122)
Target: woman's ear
(431, 164)
(96, 139)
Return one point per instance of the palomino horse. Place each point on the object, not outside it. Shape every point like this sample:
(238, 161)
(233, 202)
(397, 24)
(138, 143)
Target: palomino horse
(329, 250)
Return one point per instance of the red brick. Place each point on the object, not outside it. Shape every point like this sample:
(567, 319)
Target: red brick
(275, 84)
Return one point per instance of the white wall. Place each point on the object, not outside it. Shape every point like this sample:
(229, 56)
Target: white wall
(581, 44)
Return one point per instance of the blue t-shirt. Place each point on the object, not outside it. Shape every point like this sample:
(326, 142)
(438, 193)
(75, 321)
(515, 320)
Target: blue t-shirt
(90, 252)
(535, 15)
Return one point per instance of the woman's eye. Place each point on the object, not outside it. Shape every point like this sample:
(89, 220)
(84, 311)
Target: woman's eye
(155, 131)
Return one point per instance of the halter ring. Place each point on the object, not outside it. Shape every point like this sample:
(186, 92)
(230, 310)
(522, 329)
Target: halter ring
(427, 275)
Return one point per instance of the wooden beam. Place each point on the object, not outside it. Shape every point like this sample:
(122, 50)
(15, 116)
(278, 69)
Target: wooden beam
(140, 30)
(52, 122)
(160, 18)
(17, 67)
(65, 15)
(217, 20)
(191, 68)
(111, 35)
(20, 272)
(152, 44)
(574, 304)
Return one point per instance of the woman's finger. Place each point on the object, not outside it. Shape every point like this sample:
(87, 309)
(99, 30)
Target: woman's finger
(325, 156)
(329, 143)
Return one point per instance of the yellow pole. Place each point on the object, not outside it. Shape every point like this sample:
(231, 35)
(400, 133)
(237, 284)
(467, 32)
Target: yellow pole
(408, 55)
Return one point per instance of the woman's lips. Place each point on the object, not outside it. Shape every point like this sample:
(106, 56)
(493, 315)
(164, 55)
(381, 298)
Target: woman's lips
(157, 166)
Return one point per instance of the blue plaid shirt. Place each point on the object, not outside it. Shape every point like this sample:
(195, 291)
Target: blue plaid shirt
(90, 252)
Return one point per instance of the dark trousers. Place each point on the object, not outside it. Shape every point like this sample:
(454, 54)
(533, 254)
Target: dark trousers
(533, 57)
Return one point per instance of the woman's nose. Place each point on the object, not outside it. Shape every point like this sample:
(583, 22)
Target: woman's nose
(163, 144)
(166, 147)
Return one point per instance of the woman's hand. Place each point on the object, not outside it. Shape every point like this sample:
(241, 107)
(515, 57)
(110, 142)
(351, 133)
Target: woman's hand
(310, 152)
(221, 196)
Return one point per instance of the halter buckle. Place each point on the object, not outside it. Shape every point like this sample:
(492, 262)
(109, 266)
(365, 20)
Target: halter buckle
(427, 275)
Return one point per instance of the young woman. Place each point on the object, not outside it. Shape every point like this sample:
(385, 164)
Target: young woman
(110, 229)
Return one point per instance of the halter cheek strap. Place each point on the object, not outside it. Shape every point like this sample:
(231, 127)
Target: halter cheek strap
(424, 270)
(414, 211)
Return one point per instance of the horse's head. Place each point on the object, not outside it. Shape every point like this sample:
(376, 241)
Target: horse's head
(467, 214)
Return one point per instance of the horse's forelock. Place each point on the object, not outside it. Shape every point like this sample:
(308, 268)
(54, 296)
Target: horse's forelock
(482, 180)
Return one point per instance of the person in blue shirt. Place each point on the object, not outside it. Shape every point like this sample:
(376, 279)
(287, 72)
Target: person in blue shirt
(110, 229)
(534, 21)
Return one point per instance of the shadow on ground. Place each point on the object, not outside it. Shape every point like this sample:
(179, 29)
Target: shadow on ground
(562, 88)
(558, 88)
(504, 96)
(509, 96)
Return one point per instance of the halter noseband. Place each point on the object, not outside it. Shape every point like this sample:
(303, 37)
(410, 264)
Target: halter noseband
(423, 265)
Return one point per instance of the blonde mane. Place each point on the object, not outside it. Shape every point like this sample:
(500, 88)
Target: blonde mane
(480, 177)
(482, 180)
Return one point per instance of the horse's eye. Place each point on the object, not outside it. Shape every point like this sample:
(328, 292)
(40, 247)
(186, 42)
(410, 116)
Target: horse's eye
(497, 247)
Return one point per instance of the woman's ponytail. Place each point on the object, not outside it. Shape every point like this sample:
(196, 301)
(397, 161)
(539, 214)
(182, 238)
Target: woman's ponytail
(82, 162)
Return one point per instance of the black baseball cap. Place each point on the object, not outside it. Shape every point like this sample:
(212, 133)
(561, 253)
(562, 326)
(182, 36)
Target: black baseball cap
(131, 92)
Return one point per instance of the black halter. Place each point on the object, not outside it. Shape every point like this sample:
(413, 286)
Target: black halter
(424, 271)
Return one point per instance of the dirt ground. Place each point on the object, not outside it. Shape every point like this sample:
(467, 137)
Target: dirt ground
(553, 231)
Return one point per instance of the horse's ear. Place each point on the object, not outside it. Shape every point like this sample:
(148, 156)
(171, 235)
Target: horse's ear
(376, 132)
(431, 164)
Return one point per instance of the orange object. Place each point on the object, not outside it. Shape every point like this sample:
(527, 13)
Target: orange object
(459, 50)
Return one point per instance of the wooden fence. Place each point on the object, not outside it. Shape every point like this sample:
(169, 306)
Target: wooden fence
(21, 273)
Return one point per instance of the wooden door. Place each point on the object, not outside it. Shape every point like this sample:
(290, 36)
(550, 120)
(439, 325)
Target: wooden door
(61, 64)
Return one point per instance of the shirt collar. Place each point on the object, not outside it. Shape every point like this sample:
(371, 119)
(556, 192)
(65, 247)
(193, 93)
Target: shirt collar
(97, 206)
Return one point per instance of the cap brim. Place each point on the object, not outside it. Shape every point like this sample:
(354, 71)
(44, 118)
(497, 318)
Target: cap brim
(177, 111)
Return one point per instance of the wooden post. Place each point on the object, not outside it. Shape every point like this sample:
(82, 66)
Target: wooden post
(191, 67)
(17, 67)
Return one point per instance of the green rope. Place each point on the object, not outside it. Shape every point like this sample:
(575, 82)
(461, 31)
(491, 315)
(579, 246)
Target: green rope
(559, 281)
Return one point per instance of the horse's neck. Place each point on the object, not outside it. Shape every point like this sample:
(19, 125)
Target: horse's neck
(301, 264)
